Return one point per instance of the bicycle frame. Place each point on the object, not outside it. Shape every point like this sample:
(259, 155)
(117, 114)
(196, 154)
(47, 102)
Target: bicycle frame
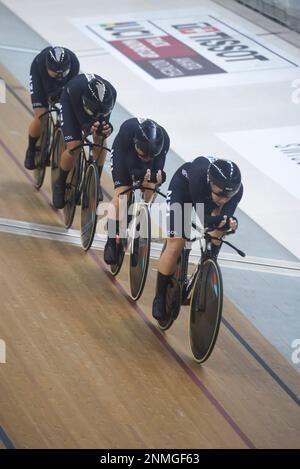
(53, 114)
(86, 143)
(137, 197)
(205, 245)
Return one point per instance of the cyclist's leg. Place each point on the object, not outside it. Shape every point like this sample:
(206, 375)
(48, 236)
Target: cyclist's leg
(122, 181)
(72, 135)
(117, 214)
(176, 199)
(66, 164)
(166, 268)
(39, 105)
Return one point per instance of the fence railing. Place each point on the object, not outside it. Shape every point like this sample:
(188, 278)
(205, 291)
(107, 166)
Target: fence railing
(286, 12)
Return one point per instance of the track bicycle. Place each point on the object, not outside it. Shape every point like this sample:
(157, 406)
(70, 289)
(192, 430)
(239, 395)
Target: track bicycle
(138, 238)
(203, 291)
(82, 187)
(49, 144)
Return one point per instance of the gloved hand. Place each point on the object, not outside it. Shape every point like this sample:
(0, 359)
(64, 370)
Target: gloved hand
(213, 222)
(54, 96)
(108, 131)
(138, 174)
(154, 177)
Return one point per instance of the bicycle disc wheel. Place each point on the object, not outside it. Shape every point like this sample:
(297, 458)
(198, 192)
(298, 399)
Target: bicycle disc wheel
(173, 298)
(58, 147)
(73, 190)
(206, 310)
(122, 242)
(140, 252)
(89, 206)
(42, 152)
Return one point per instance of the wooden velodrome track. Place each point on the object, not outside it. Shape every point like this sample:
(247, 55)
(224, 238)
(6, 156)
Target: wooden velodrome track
(88, 368)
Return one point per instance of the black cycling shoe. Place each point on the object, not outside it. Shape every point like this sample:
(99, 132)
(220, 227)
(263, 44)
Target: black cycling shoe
(159, 303)
(59, 190)
(159, 308)
(111, 252)
(29, 162)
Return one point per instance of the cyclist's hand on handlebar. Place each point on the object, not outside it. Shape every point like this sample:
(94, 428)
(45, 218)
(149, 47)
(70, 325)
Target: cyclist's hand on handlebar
(95, 129)
(157, 178)
(137, 174)
(101, 129)
(54, 97)
(228, 224)
(223, 222)
(147, 177)
(233, 224)
(106, 129)
(160, 176)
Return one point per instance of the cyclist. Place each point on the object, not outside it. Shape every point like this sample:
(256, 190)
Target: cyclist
(50, 70)
(86, 105)
(138, 151)
(217, 184)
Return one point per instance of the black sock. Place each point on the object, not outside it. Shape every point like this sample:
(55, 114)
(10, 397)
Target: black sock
(31, 142)
(111, 241)
(162, 283)
(63, 176)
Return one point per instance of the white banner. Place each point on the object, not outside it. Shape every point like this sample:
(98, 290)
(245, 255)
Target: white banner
(195, 48)
(274, 151)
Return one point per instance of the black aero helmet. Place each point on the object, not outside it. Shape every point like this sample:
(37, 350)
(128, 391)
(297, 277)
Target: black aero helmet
(226, 175)
(149, 138)
(58, 62)
(97, 98)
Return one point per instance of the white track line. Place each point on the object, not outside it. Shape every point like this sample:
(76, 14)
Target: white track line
(57, 233)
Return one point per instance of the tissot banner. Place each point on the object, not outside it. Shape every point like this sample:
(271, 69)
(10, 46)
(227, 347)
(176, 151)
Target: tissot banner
(191, 45)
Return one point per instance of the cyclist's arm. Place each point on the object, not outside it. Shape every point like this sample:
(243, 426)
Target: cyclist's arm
(229, 208)
(225, 219)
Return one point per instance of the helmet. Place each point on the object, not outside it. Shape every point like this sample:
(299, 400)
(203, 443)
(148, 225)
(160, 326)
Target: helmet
(226, 175)
(58, 63)
(97, 98)
(149, 138)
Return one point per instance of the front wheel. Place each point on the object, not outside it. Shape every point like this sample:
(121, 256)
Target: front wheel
(139, 252)
(58, 148)
(73, 190)
(43, 151)
(206, 310)
(89, 206)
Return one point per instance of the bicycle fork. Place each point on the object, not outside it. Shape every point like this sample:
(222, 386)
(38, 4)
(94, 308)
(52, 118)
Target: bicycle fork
(186, 282)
